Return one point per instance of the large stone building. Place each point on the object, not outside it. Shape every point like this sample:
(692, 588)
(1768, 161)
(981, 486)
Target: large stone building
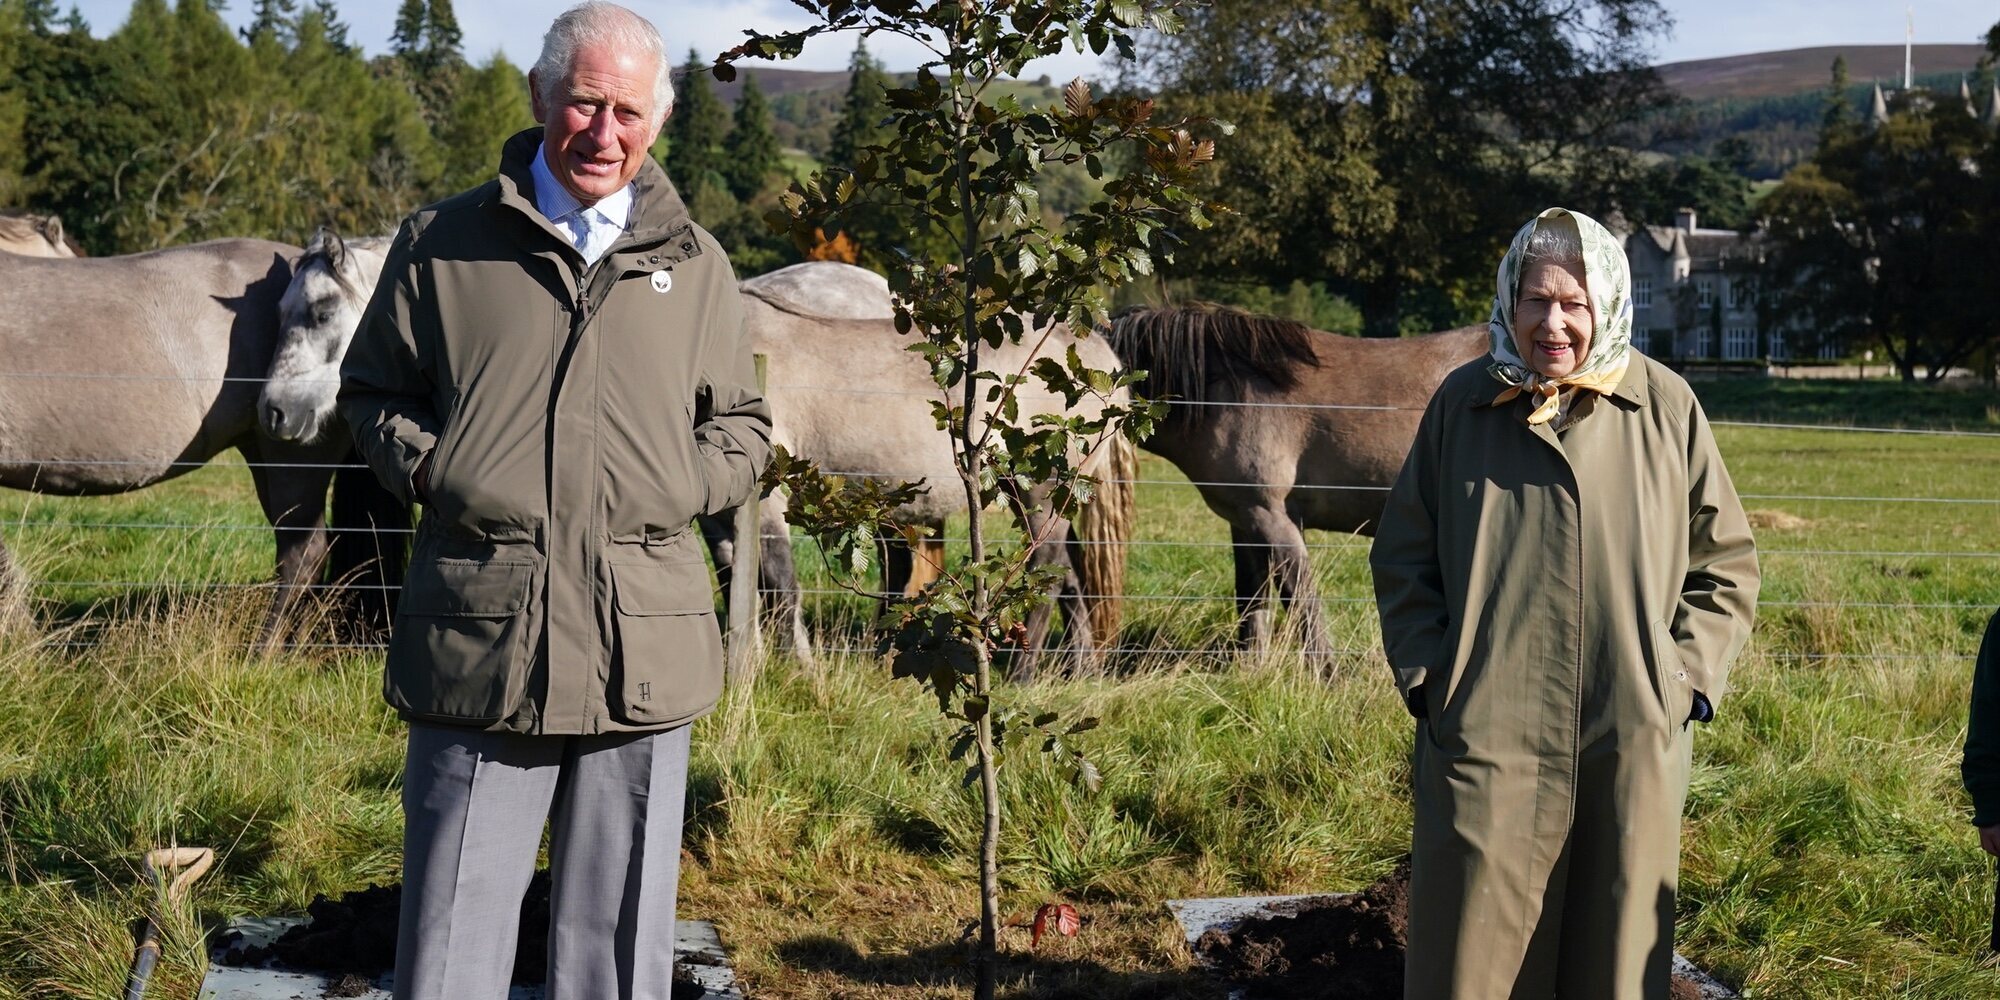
(1694, 289)
(1693, 294)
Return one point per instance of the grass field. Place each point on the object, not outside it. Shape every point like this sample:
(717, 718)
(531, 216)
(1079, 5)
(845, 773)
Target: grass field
(1825, 855)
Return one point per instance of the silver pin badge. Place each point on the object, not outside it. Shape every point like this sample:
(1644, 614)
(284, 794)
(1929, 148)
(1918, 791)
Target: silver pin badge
(663, 281)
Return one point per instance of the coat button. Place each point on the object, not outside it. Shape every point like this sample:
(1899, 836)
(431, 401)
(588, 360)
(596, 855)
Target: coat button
(1681, 675)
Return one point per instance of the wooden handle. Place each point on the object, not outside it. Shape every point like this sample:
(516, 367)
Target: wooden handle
(191, 862)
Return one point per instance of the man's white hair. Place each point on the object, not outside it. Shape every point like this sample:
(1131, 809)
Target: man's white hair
(596, 22)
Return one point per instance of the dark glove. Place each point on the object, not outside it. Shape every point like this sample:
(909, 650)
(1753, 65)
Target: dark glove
(1701, 711)
(1414, 701)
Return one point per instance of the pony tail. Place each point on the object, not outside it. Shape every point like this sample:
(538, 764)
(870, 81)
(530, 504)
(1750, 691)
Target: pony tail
(1106, 524)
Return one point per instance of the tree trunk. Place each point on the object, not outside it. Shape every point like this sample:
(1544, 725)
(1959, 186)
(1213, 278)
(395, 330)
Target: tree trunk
(971, 458)
(1380, 315)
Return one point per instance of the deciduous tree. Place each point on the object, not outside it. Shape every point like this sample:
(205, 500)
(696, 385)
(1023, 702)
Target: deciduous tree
(1391, 148)
(965, 161)
(1885, 238)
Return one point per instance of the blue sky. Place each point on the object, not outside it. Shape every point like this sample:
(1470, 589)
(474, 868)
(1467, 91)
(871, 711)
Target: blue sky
(1705, 28)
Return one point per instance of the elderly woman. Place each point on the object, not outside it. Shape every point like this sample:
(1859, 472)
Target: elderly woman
(1564, 574)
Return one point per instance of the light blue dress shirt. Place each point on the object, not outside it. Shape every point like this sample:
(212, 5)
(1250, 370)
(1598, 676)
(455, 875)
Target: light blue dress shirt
(592, 229)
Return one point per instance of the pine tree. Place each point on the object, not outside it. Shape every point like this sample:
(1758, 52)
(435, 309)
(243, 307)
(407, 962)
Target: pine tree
(1838, 112)
(862, 114)
(332, 25)
(696, 131)
(271, 19)
(492, 105)
(753, 147)
(39, 16)
(74, 23)
(408, 39)
(444, 43)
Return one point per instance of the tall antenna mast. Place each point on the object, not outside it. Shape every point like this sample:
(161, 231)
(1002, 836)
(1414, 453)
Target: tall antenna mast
(1909, 42)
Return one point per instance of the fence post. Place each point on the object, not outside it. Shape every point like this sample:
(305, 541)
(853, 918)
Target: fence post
(743, 645)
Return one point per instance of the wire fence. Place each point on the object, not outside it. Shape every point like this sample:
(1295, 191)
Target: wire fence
(1941, 498)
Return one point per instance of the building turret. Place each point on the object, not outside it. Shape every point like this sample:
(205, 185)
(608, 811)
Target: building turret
(1965, 94)
(1993, 107)
(1878, 111)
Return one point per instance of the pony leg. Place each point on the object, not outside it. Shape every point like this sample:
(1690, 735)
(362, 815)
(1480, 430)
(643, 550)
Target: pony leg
(719, 534)
(1291, 568)
(1252, 551)
(778, 579)
(13, 592)
(368, 546)
(294, 501)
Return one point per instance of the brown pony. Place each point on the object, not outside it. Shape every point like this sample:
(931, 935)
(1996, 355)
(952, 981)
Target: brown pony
(1283, 427)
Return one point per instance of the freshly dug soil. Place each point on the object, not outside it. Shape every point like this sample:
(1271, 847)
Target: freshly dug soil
(1349, 948)
(355, 936)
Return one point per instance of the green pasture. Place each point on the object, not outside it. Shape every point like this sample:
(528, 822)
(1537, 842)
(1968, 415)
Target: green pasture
(1826, 853)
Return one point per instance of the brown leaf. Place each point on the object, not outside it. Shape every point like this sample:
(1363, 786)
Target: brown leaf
(1067, 921)
(1076, 96)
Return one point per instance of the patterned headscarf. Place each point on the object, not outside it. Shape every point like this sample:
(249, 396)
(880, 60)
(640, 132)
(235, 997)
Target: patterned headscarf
(1607, 279)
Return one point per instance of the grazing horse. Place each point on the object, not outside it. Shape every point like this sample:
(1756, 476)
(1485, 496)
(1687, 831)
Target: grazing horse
(846, 394)
(30, 235)
(122, 372)
(1283, 427)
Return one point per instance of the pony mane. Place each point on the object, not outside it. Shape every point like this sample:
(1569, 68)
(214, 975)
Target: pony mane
(1186, 349)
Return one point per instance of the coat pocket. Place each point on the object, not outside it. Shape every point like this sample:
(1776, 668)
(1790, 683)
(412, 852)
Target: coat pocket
(1676, 694)
(667, 659)
(459, 650)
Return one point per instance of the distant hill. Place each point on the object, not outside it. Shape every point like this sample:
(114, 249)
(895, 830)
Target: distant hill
(1781, 74)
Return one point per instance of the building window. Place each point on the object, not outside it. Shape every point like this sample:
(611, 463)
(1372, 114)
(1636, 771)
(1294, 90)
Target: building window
(1705, 294)
(1704, 343)
(1734, 293)
(1778, 350)
(1829, 350)
(1642, 341)
(1642, 293)
(1739, 343)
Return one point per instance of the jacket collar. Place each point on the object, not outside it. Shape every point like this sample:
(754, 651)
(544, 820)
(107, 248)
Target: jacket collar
(657, 211)
(1635, 388)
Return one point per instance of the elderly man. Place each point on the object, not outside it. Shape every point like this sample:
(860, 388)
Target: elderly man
(554, 365)
(1564, 575)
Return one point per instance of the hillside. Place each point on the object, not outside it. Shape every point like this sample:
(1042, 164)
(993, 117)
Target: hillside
(1781, 74)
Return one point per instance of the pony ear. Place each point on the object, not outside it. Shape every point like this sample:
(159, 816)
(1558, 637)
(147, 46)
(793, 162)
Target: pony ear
(52, 230)
(328, 243)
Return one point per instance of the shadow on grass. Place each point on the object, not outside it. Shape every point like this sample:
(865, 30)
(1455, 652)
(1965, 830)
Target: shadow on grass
(1021, 977)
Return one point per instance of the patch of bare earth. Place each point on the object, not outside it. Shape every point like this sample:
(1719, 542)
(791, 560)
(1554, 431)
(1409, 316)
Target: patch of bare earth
(1338, 948)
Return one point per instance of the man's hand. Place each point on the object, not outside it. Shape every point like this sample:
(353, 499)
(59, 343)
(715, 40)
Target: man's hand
(1989, 839)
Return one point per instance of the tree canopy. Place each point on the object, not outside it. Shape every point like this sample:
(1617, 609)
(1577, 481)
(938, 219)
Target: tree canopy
(1390, 149)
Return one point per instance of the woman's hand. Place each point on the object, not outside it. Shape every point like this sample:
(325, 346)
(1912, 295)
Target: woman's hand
(1989, 839)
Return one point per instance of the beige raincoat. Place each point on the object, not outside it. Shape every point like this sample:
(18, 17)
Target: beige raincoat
(1551, 602)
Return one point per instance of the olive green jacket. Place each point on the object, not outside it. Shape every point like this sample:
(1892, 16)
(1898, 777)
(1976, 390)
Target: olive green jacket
(1981, 768)
(1511, 563)
(576, 418)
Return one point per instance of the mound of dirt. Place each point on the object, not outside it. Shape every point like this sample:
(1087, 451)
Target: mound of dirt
(1346, 948)
(355, 935)
(1776, 520)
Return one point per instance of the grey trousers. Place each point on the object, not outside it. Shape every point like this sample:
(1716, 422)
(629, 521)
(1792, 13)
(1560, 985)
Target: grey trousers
(473, 808)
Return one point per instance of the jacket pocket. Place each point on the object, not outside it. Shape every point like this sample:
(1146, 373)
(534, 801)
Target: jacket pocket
(667, 657)
(1676, 694)
(459, 650)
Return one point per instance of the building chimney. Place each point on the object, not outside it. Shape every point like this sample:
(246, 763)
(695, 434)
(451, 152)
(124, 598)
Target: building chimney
(1684, 220)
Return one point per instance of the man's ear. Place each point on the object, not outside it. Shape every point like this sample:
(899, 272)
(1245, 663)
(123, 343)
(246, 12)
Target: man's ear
(660, 126)
(535, 98)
